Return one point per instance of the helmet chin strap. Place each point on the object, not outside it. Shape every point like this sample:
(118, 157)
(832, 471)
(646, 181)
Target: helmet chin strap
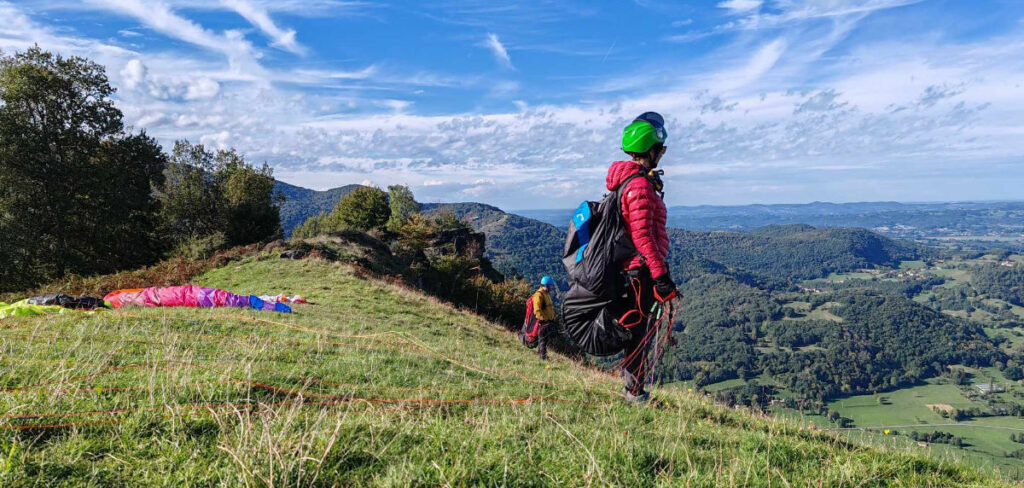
(654, 176)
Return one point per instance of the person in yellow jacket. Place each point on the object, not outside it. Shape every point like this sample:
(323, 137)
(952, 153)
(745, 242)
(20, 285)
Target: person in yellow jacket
(543, 313)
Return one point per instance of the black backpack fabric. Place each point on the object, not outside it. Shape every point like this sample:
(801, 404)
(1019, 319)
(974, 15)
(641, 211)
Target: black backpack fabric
(67, 301)
(59, 299)
(597, 244)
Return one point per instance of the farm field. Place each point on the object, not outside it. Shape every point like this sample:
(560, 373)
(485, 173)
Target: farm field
(905, 410)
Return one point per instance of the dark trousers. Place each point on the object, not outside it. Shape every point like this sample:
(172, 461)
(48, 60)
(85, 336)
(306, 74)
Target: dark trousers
(542, 339)
(640, 293)
(543, 330)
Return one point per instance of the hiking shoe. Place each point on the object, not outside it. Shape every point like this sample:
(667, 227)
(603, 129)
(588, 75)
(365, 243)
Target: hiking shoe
(639, 398)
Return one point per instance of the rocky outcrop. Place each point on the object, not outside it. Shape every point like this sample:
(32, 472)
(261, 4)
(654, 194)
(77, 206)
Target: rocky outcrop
(463, 242)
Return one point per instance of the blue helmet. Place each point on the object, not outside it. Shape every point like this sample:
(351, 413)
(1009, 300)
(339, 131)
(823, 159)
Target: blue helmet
(547, 281)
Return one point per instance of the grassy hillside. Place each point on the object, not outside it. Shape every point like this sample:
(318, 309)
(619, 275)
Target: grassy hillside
(371, 384)
(302, 203)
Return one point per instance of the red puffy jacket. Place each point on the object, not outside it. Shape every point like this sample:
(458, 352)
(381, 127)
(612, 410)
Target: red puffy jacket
(644, 213)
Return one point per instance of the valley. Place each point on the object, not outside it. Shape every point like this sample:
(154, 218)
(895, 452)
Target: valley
(979, 405)
(845, 329)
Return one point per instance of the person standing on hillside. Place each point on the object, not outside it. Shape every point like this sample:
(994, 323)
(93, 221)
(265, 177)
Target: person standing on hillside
(644, 213)
(540, 313)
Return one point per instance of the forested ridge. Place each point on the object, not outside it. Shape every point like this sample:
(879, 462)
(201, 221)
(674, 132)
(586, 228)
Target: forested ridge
(795, 252)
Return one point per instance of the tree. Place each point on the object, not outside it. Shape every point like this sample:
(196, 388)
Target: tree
(75, 189)
(191, 206)
(251, 206)
(1014, 373)
(365, 208)
(210, 200)
(403, 206)
(313, 226)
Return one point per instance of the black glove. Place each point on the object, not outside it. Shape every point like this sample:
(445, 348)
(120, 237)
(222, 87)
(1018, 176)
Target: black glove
(664, 288)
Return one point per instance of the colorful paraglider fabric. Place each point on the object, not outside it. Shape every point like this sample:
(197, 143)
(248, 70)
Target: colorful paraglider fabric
(189, 296)
(282, 298)
(25, 309)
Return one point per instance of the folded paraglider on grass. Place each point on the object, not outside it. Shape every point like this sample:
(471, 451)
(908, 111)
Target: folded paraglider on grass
(53, 303)
(189, 296)
(154, 296)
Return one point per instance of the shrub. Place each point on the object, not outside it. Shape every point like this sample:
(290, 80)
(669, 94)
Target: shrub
(365, 208)
(403, 206)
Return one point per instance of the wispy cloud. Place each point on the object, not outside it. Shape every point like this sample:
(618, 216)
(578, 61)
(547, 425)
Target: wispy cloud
(740, 6)
(750, 16)
(158, 16)
(258, 16)
(498, 50)
(792, 11)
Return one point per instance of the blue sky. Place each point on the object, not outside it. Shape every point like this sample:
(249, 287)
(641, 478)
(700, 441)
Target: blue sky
(520, 103)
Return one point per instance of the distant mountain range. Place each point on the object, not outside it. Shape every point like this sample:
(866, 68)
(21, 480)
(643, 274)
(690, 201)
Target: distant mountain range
(968, 224)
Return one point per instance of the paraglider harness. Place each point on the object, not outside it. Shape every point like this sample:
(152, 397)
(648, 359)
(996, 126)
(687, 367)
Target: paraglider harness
(531, 327)
(595, 314)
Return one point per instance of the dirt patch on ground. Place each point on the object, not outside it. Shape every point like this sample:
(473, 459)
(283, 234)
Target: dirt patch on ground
(943, 407)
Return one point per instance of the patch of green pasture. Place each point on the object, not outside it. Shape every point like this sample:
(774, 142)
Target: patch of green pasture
(1012, 340)
(798, 306)
(986, 458)
(852, 275)
(723, 385)
(916, 264)
(903, 406)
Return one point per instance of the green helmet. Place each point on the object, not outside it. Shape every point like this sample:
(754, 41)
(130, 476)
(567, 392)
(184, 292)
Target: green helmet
(641, 135)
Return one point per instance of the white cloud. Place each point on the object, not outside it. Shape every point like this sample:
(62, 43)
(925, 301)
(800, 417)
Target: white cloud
(682, 23)
(257, 15)
(504, 88)
(433, 182)
(158, 16)
(498, 49)
(397, 106)
(793, 11)
(201, 89)
(303, 8)
(133, 74)
(219, 140)
(762, 60)
(740, 6)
